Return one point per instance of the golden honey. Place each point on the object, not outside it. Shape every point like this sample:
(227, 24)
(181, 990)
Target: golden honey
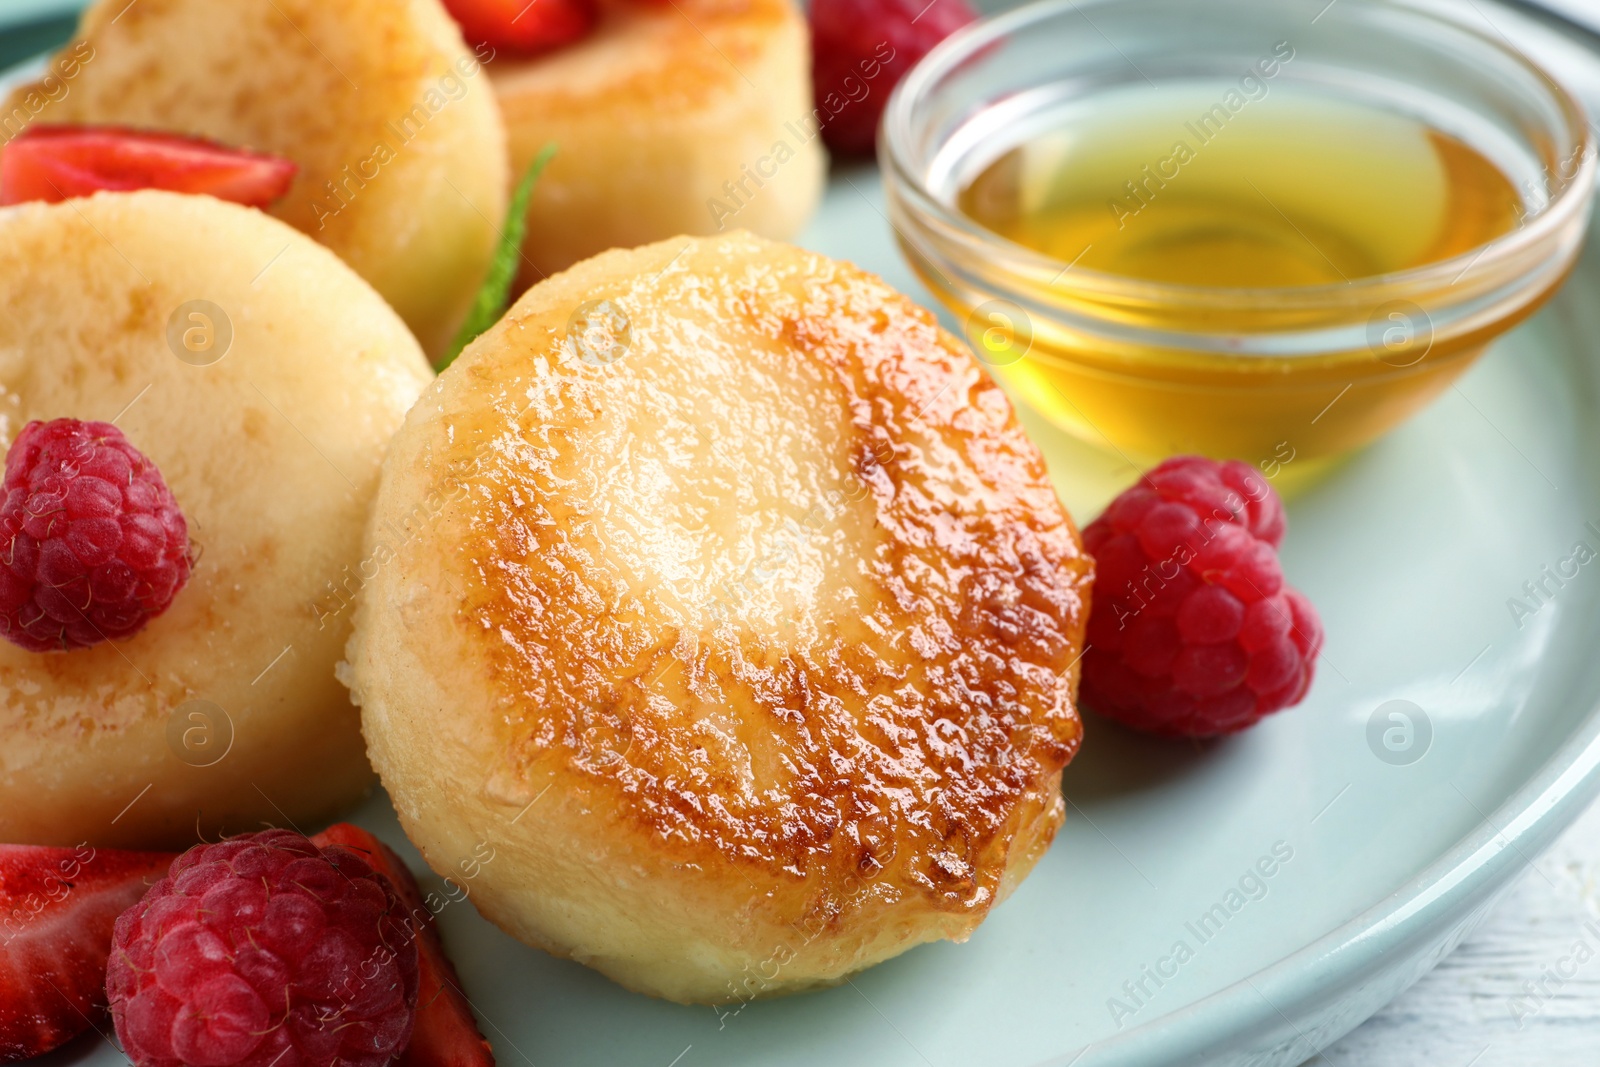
(1291, 190)
(1262, 195)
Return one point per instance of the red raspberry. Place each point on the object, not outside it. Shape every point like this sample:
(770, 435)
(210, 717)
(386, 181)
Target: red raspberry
(264, 950)
(860, 49)
(1194, 632)
(94, 545)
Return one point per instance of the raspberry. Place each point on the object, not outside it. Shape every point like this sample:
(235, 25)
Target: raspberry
(94, 544)
(1194, 632)
(264, 950)
(861, 49)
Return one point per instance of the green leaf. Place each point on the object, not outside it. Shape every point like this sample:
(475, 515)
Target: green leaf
(495, 293)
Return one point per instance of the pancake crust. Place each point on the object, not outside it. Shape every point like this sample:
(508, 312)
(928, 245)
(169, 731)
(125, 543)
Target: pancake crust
(755, 638)
(272, 451)
(390, 118)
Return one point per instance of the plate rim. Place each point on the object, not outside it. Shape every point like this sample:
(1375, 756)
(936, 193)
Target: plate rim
(1326, 972)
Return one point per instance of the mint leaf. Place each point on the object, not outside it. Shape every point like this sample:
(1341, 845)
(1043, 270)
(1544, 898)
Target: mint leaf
(495, 293)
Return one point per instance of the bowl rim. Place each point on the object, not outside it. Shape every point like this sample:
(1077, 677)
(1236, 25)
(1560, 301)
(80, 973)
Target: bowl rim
(1569, 201)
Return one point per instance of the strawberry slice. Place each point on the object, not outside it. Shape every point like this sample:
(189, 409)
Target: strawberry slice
(57, 908)
(525, 26)
(445, 1034)
(54, 163)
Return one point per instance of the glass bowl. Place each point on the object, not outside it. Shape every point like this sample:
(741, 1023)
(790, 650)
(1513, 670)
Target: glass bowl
(1151, 369)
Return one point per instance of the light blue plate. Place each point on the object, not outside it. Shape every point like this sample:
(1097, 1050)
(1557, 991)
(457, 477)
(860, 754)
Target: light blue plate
(1250, 901)
(19, 12)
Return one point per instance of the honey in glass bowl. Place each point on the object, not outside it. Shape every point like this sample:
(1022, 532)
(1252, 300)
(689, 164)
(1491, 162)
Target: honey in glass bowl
(1172, 229)
(1301, 188)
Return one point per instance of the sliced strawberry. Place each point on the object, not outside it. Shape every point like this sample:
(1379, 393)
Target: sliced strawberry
(445, 1034)
(53, 163)
(524, 25)
(57, 908)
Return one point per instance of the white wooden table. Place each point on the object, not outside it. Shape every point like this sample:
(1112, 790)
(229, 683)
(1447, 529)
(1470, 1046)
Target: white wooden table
(1523, 991)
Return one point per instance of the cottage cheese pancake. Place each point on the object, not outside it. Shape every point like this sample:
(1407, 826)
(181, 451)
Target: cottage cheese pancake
(717, 588)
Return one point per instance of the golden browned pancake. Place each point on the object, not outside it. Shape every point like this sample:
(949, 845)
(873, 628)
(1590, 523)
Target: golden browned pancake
(724, 599)
(390, 118)
(686, 117)
(264, 379)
